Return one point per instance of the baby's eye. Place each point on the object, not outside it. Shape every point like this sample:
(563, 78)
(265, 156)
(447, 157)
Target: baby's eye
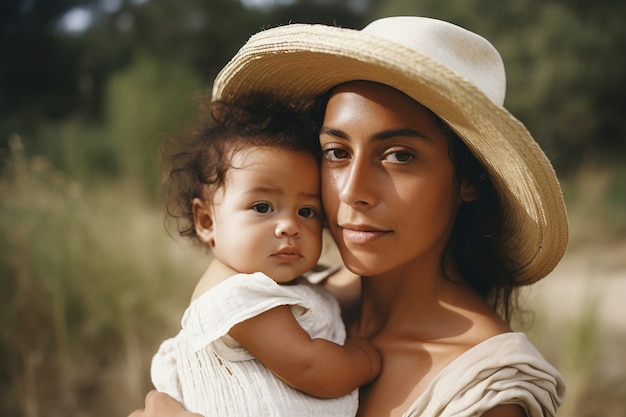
(307, 212)
(262, 207)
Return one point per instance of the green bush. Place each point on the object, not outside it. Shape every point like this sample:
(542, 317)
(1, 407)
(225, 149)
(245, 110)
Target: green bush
(146, 103)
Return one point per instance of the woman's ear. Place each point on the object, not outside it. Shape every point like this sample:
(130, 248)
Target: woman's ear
(203, 221)
(468, 191)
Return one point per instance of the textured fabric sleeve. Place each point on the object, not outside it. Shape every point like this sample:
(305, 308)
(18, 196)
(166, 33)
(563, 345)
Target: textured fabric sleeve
(506, 369)
(164, 372)
(240, 297)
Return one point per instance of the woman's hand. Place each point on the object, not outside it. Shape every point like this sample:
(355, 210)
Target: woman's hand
(159, 404)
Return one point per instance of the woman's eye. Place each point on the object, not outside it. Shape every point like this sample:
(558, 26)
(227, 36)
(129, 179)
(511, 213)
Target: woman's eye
(262, 207)
(400, 157)
(307, 212)
(335, 154)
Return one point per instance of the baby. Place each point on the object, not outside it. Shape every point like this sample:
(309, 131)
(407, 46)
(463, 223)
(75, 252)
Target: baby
(257, 338)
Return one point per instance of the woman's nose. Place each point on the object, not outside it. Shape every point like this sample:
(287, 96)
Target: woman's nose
(357, 184)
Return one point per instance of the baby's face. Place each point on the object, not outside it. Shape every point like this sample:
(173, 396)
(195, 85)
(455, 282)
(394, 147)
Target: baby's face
(268, 216)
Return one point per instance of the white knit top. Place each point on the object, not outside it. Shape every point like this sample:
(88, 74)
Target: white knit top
(210, 373)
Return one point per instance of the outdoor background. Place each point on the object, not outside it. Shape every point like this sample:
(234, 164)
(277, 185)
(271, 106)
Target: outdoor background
(90, 282)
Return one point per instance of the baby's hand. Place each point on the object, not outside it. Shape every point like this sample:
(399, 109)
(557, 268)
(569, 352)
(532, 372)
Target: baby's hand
(375, 359)
(159, 404)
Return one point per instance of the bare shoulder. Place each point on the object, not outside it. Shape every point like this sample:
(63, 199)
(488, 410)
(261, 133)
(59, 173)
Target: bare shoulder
(215, 273)
(486, 322)
(506, 410)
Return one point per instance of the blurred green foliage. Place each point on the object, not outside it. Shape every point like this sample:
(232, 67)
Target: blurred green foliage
(137, 125)
(565, 68)
(97, 102)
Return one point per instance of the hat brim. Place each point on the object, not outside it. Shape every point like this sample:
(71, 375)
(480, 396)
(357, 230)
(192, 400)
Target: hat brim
(306, 60)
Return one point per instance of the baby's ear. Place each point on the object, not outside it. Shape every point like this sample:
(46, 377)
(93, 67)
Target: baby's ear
(468, 191)
(203, 220)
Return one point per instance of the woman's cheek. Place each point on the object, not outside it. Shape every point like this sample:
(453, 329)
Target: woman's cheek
(330, 193)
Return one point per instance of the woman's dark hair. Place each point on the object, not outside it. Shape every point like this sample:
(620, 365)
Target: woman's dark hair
(475, 242)
(196, 162)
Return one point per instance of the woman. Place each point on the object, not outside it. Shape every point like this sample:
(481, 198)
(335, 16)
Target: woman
(439, 201)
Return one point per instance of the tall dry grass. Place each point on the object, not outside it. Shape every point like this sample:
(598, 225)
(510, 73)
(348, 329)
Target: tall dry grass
(90, 283)
(579, 312)
(89, 280)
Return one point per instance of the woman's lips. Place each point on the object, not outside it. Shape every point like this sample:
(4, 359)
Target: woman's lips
(361, 234)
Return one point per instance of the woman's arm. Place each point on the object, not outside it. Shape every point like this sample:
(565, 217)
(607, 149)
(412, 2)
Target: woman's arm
(316, 366)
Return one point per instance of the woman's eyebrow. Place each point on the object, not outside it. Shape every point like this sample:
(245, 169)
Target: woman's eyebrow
(325, 130)
(383, 135)
(404, 132)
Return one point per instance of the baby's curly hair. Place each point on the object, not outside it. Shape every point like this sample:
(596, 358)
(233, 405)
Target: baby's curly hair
(196, 163)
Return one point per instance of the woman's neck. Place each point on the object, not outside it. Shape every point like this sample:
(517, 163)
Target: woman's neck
(410, 300)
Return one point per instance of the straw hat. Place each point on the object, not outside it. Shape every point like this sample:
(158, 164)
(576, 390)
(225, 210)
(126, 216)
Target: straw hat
(452, 71)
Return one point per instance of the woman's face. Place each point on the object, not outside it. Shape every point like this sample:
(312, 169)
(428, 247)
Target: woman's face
(388, 184)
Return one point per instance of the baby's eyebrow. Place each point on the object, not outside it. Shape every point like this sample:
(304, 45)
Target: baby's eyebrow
(263, 190)
(279, 191)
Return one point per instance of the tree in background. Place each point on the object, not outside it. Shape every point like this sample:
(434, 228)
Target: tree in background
(55, 76)
(38, 70)
(565, 68)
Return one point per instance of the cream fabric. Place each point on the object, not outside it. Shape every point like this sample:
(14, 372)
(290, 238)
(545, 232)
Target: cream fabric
(503, 369)
(210, 373)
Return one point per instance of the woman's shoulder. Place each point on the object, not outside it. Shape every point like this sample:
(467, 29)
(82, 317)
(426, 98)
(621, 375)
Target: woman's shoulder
(484, 326)
(467, 319)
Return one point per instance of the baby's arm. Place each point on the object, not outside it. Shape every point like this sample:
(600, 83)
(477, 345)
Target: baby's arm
(316, 366)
